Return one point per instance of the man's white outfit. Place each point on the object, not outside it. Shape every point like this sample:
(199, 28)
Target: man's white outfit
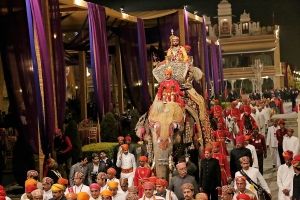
(254, 155)
(105, 187)
(120, 196)
(81, 188)
(261, 121)
(256, 176)
(169, 195)
(127, 162)
(290, 143)
(99, 198)
(47, 195)
(272, 142)
(285, 177)
(151, 198)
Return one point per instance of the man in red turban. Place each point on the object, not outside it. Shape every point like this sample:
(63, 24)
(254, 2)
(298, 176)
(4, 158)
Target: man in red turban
(149, 191)
(237, 153)
(285, 176)
(142, 174)
(220, 135)
(224, 167)
(169, 90)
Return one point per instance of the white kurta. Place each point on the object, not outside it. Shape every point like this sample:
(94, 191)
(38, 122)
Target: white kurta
(120, 196)
(255, 117)
(151, 198)
(99, 198)
(261, 121)
(256, 176)
(285, 176)
(173, 195)
(48, 194)
(81, 188)
(24, 197)
(254, 155)
(290, 143)
(126, 162)
(272, 142)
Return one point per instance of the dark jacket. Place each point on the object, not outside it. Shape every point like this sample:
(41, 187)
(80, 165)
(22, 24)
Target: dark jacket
(90, 167)
(235, 156)
(210, 174)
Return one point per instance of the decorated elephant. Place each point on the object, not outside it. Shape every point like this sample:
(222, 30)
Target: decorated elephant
(177, 120)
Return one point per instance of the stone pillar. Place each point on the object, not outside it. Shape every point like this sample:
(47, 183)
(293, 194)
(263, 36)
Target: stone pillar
(83, 84)
(253, 84)
(273, 79)
(232, 81)
(119, 75)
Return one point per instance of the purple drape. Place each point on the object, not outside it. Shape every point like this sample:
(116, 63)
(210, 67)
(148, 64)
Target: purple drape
(134, 63)
(215, 67)
(99, 57)
(167, 23)
(186, 28)
(18, 72)
(195, 32)
(221, 68)
(143, 64)
(206, 61)
(47, 136)
(59, 63)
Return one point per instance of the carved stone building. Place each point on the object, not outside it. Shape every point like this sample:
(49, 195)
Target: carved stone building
(244, 41)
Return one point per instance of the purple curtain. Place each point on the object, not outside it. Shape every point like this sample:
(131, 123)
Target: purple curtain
(167, 23)
(215, 67)
(18, 72)
(134, 62)
(99, 57)
(195, 32)
(143, 64)
(186, 28)
(59, 63)
(206, 61)
(47, 135)
(221, 68)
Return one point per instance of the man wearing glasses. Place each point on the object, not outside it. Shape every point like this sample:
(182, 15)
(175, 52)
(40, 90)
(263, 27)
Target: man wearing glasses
(182, 178)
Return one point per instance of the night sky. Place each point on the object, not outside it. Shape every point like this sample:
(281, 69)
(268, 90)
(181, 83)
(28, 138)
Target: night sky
(286, 12)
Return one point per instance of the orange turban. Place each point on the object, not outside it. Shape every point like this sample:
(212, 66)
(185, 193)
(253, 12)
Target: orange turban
(215, 144)
(111, 171)
(169, 71)
(124, 146)
(106, 193)
(83, 196)
(287, 154)
(63, 181)
(113, 184)
(207, 149)
(216, 101)
(162, 182)
(143, 158)
(219, 125)
(71, 195)
(30, 181)
(247, 137)
(57, 131)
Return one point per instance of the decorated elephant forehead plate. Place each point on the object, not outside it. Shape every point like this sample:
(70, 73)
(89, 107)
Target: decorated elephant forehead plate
(179, 71)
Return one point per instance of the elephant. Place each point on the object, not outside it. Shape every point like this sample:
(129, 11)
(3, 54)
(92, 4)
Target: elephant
(172, 130)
